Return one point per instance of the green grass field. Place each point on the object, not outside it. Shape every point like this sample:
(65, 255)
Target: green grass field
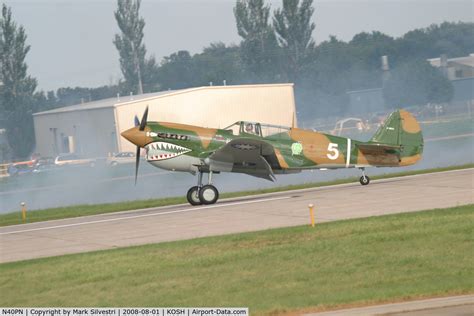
(448, 128)
(93, 209)
(355, 262)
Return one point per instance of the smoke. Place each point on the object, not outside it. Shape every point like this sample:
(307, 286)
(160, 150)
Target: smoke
(104, 184)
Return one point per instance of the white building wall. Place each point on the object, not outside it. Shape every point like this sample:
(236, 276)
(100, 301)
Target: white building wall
(93, 132)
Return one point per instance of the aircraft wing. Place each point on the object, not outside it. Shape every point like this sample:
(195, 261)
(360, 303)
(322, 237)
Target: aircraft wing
(244, 155)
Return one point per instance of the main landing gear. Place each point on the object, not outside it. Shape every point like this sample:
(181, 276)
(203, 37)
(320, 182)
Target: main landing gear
(203, 194)
(364, 180)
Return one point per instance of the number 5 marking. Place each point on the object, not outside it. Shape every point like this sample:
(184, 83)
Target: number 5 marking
(334, 152)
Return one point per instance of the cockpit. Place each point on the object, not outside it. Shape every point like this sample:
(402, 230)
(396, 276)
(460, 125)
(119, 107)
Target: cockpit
(243, 128)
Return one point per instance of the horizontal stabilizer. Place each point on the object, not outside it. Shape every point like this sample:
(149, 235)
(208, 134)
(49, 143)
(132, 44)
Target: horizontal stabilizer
(376, 148)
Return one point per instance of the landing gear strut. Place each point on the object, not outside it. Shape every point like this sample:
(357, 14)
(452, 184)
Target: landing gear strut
(364, 180)
(207, 194)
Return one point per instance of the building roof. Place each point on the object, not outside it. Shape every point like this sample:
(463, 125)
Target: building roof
(115, 102)
(466, 61)
(105, 103)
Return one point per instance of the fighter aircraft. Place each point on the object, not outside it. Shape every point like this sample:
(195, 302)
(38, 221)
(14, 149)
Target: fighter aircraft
(264, 150)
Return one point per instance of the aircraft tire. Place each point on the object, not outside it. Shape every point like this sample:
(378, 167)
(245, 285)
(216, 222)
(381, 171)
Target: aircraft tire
(364, 180)
(208, 194)
(193, 196)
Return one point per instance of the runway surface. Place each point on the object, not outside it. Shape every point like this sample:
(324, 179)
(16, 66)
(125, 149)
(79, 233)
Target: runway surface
(462, 305)
(404, 194)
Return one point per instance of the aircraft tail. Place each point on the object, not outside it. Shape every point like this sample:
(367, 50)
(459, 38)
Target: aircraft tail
(401, 129)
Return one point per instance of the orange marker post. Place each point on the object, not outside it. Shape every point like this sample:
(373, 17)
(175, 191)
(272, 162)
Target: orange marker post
(23, 211)
(311, 214)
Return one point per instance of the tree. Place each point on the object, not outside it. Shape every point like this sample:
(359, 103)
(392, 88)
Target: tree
(416, 83)
(177, 71)
(16, 93)
(69, 96)
(294, 31)
(368, 48)
(217, 63)
(259, 49)
(136, 69)
(321, 88)
(452, 39)
(44, 101)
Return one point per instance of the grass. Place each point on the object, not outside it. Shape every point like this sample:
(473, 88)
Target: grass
(351, 262)
(448, 128)
(94, 209)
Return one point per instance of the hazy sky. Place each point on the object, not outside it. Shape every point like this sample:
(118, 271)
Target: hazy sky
(71, 41)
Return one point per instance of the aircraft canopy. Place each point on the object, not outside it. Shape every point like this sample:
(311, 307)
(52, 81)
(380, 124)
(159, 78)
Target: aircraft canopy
(255, 128)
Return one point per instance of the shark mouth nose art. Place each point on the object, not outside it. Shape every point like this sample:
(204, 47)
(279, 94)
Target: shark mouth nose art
(160, 151)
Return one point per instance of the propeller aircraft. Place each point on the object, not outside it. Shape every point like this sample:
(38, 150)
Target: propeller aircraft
(264, 150)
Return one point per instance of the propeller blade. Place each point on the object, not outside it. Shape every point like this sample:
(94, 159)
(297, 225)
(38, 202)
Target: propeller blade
(142, 126)
(144, 120)
(137, 162)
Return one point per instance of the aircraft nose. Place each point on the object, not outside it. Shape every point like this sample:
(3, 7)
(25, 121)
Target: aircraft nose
(135, 136)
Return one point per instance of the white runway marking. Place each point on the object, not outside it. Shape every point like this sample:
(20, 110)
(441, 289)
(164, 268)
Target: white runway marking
(348, 153)
(144, 215)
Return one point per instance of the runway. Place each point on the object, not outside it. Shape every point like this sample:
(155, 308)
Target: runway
(388, 196)
(461, 305)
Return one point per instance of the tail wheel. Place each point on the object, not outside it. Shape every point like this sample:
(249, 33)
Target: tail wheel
(193, 196)
(208, 194)
(364, 180)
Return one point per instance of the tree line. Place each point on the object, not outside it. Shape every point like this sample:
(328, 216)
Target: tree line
(276, 47)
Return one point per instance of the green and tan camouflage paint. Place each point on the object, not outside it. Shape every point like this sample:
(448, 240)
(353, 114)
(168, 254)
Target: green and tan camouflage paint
(398, 142)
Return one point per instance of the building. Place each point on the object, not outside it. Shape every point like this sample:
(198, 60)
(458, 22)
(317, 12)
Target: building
(460, 71)
(455, 68)
(93, 129)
